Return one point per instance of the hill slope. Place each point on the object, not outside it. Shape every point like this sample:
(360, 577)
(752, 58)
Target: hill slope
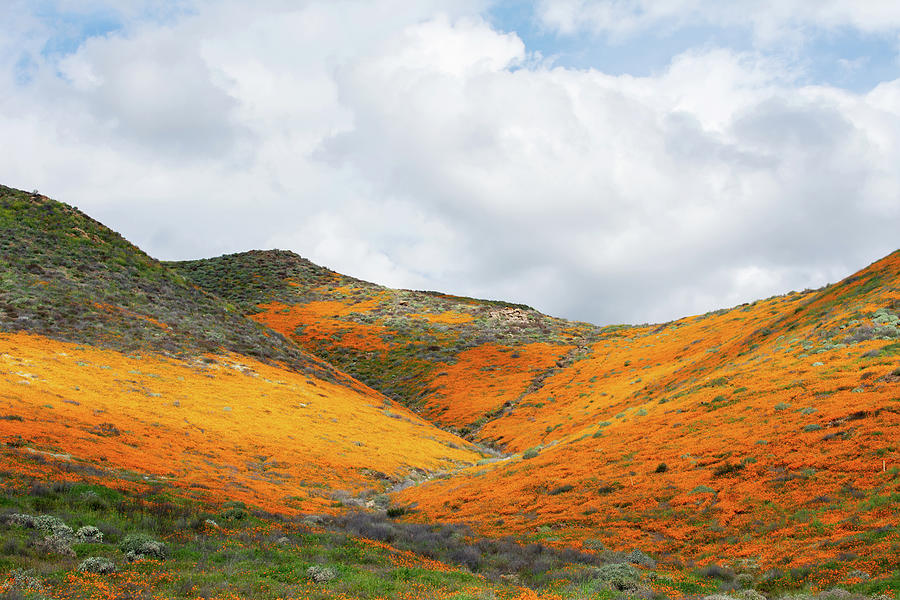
(765, 433)
(111, 361)
(417, 347)
(66, 276)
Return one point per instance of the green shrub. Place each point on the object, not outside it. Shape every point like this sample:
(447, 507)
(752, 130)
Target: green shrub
(636, 557)
(97, 564)
(531, 453)
(320, 574)
(26, 580)
(89, 535)
(137, 546)
(56, 544)
(234, 514)
(51, 525)
(617, 576)
(727, 469)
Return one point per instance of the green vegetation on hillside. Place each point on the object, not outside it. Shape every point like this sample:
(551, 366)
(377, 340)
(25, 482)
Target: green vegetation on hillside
(66, 276)
(417, 344)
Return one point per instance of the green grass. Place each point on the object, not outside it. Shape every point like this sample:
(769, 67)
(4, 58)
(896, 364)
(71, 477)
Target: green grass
(263, 556)
(260, 556)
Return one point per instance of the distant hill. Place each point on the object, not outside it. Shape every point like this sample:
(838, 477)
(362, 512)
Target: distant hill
(407, 344)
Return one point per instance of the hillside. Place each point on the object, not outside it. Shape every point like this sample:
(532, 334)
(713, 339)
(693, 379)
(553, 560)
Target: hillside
(111, 361)
(66, 276)
(428, 350)
(256, 388)
(764, 434)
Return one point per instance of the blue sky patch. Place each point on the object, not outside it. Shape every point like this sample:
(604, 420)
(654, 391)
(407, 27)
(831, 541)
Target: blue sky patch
(844, 58)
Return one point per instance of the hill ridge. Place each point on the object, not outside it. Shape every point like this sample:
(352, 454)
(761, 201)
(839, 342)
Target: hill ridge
(69, 277)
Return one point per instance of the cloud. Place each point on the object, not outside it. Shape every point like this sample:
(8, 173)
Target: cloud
(416, 145)
(769, 20)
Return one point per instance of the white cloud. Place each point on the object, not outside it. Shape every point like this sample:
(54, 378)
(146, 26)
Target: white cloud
(413, 145)
(769, 20)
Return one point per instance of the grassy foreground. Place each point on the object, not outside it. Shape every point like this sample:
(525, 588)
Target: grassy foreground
(149, 544)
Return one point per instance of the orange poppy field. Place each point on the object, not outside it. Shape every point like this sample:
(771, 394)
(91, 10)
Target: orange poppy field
(259, 389)
(755, 433)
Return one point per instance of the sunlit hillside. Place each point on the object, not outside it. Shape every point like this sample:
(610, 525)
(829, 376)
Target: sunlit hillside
(217, 428)
(112, 361)
(448, 447)
(765, 433)
(461, 362)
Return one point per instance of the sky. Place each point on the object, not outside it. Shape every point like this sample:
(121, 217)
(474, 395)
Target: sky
(611, 161)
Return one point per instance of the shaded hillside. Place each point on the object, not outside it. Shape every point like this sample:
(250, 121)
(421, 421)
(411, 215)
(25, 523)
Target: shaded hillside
(413, 346)
(66, 276)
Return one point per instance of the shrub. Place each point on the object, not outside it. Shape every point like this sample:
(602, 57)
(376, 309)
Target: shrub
(93, 500)
(636, 557)
(619, 576)
(661, 468)
(812, 427)
(715, 571)
(26, 521)
(531, 453)
(97, 564)
(320, 574)
(89, 535)
(727, 469)
(138, 546)
(55, 544)
(561, 489)
(51, 525)
(25, 580)
(234, 514)
(745, 580)
(594, 545)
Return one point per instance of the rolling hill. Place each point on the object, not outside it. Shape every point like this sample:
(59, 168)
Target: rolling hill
(110, 360)
(766, 433)
(520, 455)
